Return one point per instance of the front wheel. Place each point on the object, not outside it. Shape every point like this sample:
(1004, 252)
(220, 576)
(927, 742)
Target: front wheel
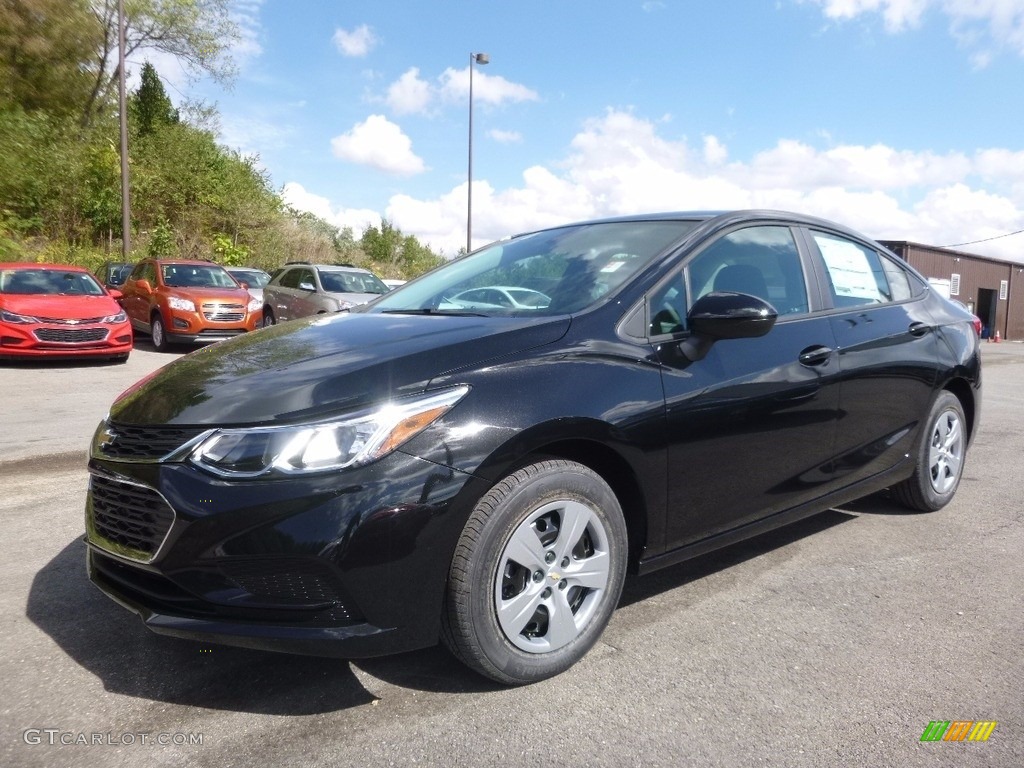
(537, 573)
(940, 458)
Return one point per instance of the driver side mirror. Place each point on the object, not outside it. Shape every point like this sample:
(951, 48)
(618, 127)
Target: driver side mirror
(307, 287)
(722, 315)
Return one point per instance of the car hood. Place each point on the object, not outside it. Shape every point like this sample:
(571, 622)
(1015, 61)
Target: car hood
(59, 307)
(239, 295)
(317, 367)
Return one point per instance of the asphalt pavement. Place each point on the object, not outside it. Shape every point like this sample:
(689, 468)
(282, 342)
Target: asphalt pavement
(834, 642)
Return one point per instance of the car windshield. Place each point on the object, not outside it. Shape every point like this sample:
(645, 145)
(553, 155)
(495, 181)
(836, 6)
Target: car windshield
(555, 271)
(196, 276)
(251, 277)
(48, 282)
(351, 282)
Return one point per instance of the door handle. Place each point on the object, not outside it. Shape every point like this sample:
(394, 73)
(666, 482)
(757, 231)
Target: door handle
(818, 355)
(919, 329)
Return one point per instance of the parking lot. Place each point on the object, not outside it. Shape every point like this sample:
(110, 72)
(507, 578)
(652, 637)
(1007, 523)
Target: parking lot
(833, 642)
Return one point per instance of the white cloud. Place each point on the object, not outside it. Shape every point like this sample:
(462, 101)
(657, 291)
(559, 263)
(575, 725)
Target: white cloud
(246, 14)
(300, 199)
(409, 94)
(984, 26)
(487, 89)
(378, 143)
(619, 164)
(355, 44)
(505, 137)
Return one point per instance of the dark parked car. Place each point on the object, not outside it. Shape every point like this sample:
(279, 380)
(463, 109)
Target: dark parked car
(367, 482)
(114, 273)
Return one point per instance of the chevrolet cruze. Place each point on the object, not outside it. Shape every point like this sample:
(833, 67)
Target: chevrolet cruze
(369, 482)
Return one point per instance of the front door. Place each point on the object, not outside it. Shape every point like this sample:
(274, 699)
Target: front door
(751, 426)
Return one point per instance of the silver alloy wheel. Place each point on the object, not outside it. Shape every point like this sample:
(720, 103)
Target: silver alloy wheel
(946, 451)
(551, 577)
(158, 333)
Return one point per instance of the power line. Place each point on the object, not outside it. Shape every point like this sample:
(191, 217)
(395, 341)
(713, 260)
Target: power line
(984, 240)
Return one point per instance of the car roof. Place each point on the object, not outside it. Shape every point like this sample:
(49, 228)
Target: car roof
(190, 262)
(52, 267)
(718, 218)
(328, 267)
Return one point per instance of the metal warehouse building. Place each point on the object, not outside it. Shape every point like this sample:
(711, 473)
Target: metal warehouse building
(991, 288)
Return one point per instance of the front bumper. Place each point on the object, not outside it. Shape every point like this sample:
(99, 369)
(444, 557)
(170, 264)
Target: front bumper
(24, 340)
(195, 327)
(351, 564)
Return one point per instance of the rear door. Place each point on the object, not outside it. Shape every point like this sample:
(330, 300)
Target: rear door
(751, 426)
(887, 351)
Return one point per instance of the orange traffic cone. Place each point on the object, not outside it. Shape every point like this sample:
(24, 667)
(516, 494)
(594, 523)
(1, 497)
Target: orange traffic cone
(997, 337)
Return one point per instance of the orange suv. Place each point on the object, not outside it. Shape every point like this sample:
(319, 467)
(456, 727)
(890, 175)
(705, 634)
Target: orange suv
(187, 302)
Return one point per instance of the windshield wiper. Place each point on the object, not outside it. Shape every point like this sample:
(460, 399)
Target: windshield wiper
(433, 311)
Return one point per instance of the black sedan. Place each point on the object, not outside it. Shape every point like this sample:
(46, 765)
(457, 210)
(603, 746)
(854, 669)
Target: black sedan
(366, 483)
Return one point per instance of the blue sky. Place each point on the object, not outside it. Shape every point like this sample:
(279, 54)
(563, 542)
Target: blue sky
(901, 118)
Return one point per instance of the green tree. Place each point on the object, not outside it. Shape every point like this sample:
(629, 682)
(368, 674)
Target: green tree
(393, 254)
(198, 33)
(149, 106)
(45, 47)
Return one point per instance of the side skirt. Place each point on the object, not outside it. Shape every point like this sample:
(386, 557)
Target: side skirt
(864, 488)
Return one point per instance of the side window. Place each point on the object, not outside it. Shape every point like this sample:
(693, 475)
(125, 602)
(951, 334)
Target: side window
(760, 261)
(149, 273)
(899, 283)
(855, 272)
(289, 278)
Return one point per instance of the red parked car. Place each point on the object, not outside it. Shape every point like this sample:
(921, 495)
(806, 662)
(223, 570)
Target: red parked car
(56, 310)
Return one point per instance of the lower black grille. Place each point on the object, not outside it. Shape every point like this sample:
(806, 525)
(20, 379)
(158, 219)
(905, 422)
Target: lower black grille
(71, 335)
(127, 519)
(159, 593)
(284, 581)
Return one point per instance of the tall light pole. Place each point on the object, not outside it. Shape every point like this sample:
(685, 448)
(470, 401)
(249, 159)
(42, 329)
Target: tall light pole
(126, 209)
(479, 58)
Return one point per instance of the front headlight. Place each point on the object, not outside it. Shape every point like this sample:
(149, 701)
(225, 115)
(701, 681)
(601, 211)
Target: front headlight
(120, 317)
(183, 304)
(350, 442)
(254, 304)
(11, 317)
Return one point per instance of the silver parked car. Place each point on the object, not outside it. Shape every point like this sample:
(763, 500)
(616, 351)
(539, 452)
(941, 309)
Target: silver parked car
(253, 278)
(300, 290)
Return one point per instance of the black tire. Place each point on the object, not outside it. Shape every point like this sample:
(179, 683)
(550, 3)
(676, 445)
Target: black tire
(268, 317)
(159, 334)
(521, 622)
(939, 462)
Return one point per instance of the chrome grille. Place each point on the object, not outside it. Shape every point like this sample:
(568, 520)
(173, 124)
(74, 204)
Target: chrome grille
(129, 443)
(127, 519)
(224, 313)
(71, 335)
(71, 321)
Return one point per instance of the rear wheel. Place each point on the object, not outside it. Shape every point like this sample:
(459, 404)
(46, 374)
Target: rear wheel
(940, 458)
(159, 334)
(537, 573)
(268, 317)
